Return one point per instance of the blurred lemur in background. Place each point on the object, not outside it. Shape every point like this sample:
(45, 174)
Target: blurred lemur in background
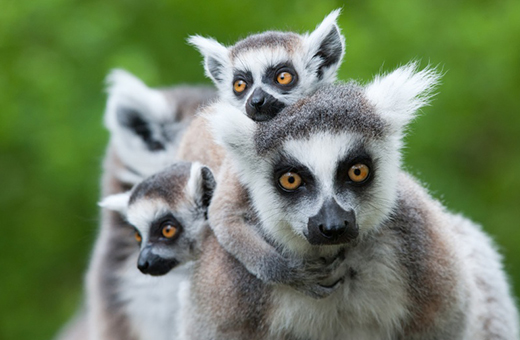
(260, 75)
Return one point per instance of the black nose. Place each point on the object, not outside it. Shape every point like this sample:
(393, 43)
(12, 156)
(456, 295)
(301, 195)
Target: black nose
(262, 106)
(151, 264)
(143, 264)
(332, 225)
(257, 99)
(333, 231)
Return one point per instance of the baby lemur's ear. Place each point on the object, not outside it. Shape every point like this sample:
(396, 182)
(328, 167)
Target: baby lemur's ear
(201, 185)
(117, 202)
(326, 47)
(216, 57)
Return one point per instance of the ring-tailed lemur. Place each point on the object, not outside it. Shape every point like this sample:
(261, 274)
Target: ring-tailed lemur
(145, 128)
(300, 64)
(314, 59)
(264, 72)
(327, 169)
(169, 213)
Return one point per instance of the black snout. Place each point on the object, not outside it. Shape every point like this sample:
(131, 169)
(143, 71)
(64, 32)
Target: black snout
(332, 225)
(149, 263)
(261, 106)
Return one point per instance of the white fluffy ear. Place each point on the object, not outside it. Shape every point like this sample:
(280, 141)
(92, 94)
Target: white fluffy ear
(131, 102)
(398, 95)
(326, 47)
(117, 202)
(216, 57)
(201, 184)
(231, 128)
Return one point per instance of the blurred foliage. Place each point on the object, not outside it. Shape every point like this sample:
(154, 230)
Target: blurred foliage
(54, 55)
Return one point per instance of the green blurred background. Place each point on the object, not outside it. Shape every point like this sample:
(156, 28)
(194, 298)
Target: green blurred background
(54, 55)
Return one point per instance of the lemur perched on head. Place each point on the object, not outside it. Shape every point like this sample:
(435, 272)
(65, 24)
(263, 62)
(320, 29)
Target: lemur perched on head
(324, 176)
(145, 126)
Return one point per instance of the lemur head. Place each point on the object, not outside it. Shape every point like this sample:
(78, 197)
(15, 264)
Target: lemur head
(144, 123)
(324, 171)
(169, 212)
(263, 73)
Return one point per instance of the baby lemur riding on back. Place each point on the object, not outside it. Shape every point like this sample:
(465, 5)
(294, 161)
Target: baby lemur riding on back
(268, 71)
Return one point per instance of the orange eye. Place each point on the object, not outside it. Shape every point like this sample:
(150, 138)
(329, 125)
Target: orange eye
(284, 78)
(169, 231)
(290, 181)
(138, 237)
(358, 172)
(239, 86)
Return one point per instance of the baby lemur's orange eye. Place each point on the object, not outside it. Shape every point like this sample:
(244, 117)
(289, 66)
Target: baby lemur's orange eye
(138, 237)
(169, 231)
(290, 181)
(358, 172)
(239, 86)
(284, 78)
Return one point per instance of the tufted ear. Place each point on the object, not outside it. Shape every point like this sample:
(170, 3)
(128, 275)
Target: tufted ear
(117, 202)
(398, 96)
(201, 185)
(135, 110)
(216, 57)
(326, 47)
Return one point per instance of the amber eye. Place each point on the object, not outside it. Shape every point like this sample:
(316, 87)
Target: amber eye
(169, 231)
(239, 86)
(358, 172)
(290, 181)
(284, 78)
(138, 237)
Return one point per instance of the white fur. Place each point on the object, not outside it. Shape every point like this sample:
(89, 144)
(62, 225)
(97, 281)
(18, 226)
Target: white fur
(144, 212)
(152, 303)
(398, 95)
(194, 187)
(127, 91)
(117, 202)
(258, 59)
(312, 42)
(211, 49)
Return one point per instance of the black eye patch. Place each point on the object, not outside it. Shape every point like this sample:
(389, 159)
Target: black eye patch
(349, 163)
(245, 76)
(286, 165)
(158, 225)
(271, 74)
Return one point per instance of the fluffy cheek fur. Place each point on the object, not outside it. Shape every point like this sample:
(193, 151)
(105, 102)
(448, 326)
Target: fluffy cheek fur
(376, 205)
(286, 221)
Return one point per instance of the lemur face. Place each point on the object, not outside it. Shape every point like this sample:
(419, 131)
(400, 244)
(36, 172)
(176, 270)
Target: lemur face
(324, 171)
(265, 72)
(169, 212)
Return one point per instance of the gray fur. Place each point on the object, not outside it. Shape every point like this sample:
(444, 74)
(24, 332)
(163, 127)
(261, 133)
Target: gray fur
(332, 108)
(420, 272)
(112, 271)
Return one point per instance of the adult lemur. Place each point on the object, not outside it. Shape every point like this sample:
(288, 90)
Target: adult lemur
(145, 127)
(324, 176)
(290, 66)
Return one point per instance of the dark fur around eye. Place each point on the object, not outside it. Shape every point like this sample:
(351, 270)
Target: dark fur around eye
(160, 223)
(359, 157)
(272, 73)
(245, 76)
(289, 165)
